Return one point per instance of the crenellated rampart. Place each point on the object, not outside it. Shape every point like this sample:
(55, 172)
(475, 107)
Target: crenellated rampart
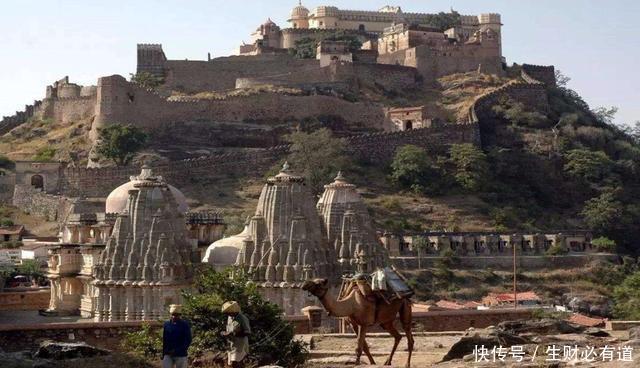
(343, 76)
(9, 122)
(529, 91)
(124, 102)
(539, 73)
(378, 147)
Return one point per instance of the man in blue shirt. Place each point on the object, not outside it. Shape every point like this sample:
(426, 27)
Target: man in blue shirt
(176, 338)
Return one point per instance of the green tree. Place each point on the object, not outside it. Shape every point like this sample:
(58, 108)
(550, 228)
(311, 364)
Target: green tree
(6, 222)
(561, 80)
(146, 342)
(306, 47)
(120, 143)
(272, 339)
(146, 80)
(605, 115)
(45, 154)
(410, 167)
(604, 244)
(318, 156)
(626, 298)
(469, 166)
(6, 163)
(592, 166)
(603, 212)
(517, 114)
(443, 21)
(30, 268)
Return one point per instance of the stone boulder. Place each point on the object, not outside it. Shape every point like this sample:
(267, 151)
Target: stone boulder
(591, 305)
(596, 332)
(634, 333)
(545, 326)
(66, 350)
(489, 338)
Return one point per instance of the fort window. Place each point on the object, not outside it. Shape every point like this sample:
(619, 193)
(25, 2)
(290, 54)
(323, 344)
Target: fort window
(37, 181)
(321, 23)
(361, 27)
(130, 96)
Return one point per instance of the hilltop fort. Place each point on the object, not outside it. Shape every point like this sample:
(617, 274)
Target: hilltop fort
(320, 70)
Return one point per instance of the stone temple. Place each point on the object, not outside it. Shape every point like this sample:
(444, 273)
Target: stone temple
(291, 239)
(146, 262)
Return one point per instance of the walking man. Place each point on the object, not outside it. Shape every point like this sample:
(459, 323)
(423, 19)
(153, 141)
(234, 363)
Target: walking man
(238, 331)
(176, 338)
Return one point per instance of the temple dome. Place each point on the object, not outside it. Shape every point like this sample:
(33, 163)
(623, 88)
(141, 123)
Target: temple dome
(117, 200)
(299, 12)
(224, 252)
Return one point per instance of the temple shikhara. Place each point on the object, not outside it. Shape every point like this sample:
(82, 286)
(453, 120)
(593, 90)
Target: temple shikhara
(146, 261)
(291, 239)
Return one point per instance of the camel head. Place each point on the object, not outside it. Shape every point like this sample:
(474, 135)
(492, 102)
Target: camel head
(317, 287)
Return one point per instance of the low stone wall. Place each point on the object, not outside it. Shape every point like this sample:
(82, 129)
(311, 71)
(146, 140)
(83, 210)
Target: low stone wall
(620, 325)
(24, 300)
(506, 262)
(36, 202)
(460, 320)
(455, 320)
(107, 335)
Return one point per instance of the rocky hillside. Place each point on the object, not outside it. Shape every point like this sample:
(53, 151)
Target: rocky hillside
(562, 167)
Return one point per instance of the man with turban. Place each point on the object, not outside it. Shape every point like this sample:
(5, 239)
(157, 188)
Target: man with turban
(238, 331)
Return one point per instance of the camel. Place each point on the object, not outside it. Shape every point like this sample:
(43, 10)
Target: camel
(363, 313)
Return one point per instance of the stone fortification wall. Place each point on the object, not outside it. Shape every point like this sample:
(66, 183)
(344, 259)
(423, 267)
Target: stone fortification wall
(124, 102)
(381, 147)
(9, 122)
(343, 76)
(221, 73)
(540, 73)
(434, 63)
(35, 201)
(98, 182)
(70, 109)
(376, 147)
(532, 95)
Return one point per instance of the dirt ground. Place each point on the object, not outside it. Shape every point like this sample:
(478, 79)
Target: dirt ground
(333, 351)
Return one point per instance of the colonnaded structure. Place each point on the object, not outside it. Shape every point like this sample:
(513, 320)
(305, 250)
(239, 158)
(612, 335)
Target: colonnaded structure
(291, 239)
(129, 262)
(489, 243)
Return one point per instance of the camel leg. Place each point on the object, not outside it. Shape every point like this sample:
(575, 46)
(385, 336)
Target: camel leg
(365, 346)
(406, 319)
(391, 329)
(361, 342)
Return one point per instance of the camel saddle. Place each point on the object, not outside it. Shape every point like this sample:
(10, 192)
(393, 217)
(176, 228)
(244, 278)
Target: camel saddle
(385, 284)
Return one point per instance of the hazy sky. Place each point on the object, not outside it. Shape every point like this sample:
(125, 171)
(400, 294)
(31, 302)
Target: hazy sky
(595, 42)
